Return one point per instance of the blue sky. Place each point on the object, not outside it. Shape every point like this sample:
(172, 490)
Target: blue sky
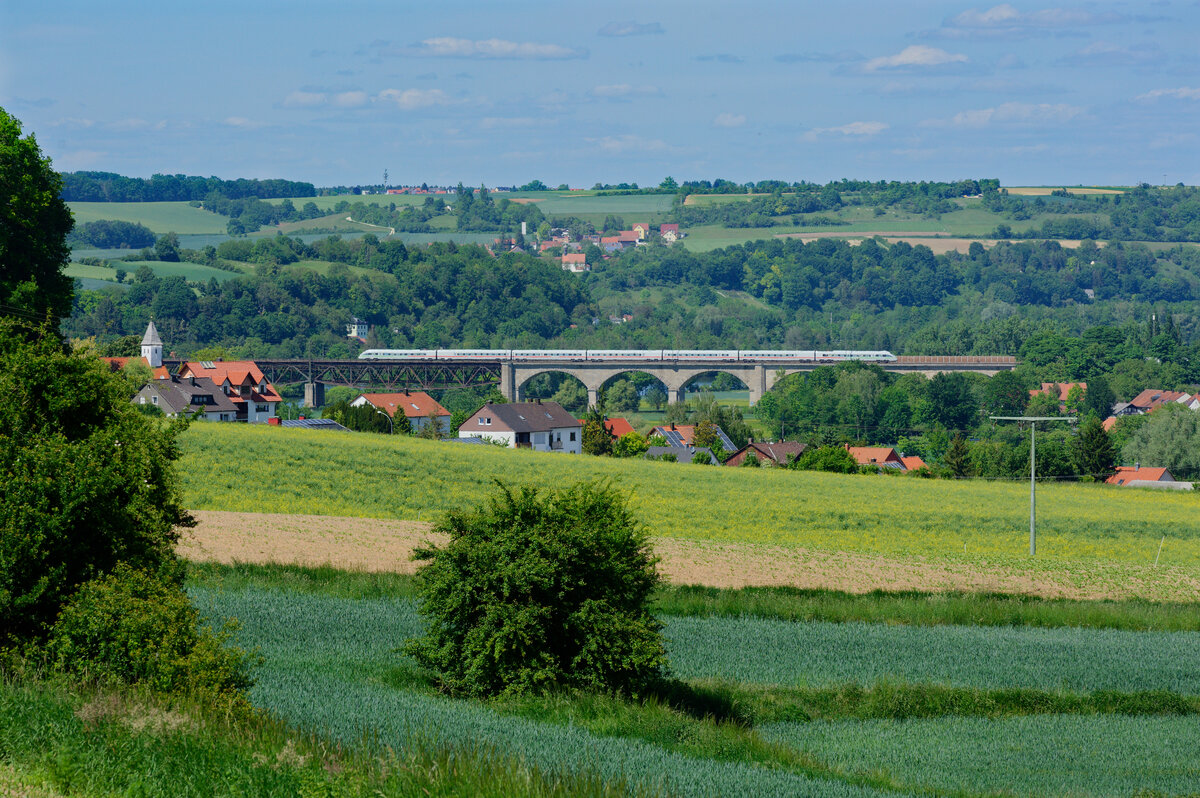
(568, 92)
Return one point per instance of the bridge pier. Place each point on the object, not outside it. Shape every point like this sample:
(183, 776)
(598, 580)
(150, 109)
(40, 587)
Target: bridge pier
(314, 394)
(593, 397)
(508, 383)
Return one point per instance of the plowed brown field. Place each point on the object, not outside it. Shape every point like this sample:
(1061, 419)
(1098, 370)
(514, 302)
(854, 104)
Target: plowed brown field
(379, 545)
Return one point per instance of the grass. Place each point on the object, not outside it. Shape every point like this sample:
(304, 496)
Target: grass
(60, 740)
(192, 272)
(364, 475)
(161, 217)
(1042, 755)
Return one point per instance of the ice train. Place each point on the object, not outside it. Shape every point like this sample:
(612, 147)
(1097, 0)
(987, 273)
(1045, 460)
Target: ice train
(629, 355)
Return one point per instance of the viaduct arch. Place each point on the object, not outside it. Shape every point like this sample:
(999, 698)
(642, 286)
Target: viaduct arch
(758, 377)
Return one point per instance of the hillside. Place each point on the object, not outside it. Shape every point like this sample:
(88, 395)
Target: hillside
(1096, 533)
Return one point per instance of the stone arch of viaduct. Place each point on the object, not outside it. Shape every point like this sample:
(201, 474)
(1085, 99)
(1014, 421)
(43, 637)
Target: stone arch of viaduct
(759, 378)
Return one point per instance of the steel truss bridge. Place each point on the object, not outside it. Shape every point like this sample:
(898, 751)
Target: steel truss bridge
(511, 377)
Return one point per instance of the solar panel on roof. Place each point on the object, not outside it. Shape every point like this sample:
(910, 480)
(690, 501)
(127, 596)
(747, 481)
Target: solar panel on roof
(207, 364)
(312, 423)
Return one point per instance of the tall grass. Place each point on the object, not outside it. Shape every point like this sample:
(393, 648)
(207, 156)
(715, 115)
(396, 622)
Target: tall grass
(81, 742)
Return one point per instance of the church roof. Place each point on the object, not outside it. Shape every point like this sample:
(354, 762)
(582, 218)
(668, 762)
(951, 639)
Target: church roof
(151, 337)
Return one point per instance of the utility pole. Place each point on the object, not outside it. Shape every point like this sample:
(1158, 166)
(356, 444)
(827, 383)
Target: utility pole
(1033, 420)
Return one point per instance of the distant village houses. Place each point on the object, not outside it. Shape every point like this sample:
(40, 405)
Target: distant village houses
(542, 426)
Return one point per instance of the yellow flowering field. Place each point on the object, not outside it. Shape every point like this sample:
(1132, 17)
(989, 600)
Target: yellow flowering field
(268, 469)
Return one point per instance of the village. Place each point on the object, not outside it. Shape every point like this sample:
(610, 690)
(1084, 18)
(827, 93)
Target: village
(238, 391)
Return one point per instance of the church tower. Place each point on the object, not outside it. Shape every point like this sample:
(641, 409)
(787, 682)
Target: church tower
(152, 346)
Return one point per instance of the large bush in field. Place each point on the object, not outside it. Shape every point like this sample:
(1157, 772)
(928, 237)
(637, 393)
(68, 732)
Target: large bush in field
(131, 627)
(538, 591)
(87, 480)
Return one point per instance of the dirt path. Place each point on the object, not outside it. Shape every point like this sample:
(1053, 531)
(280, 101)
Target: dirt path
(378, 545)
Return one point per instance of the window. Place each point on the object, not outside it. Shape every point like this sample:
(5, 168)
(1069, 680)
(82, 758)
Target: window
(260, 408)
(154, 399)
(143, 400)
(572, 436)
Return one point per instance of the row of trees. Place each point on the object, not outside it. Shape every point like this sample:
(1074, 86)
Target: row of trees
(112, 187)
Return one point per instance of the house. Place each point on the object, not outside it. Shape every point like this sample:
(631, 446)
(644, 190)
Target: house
(357, 328)
(913, 463)
(682, 454)
(417, 406)
(1152, 398)
(189, 396)
(573, 262)
(879, 456)
(640, 229)
(1059, 389)
(617, 427)
(539, 425)
(1126, 475)
(771, 454)
(684, 434)
(669, 232)
(243, 382)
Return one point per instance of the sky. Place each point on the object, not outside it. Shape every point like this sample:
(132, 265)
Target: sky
(499, 93)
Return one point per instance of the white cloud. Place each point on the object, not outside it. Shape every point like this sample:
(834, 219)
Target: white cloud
(629, 143)
(625, 90)
(862, 129)
(1005, 20)
(729, 120)
(1103, 53)
(350, 99)
(1182, 93)
(412, 99)
(631, 28)
(1013, 114)
(450, 47)
(305, 99)
(493, 122)
(242, 122)
(916, 55)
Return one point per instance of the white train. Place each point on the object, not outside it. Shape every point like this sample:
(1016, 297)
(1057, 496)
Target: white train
(629, 355)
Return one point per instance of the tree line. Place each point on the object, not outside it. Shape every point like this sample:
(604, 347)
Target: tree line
(112, 187)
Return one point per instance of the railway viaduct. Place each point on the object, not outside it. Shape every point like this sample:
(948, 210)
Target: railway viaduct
(512, 377)
(758, 377)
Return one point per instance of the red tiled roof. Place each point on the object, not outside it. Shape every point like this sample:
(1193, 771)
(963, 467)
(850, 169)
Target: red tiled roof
(610, 239)
(239, 373)
(668, 228)
(627, 235)
(414, 404)
(1109, 423)
(874, 455)
(619, 427)
(574, 258)
(1127, 474)
(1153, 397)
(912, 463)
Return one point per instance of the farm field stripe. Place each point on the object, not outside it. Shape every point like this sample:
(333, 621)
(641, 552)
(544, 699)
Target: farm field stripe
(386, 545)
(1042, 755)
(781, 603)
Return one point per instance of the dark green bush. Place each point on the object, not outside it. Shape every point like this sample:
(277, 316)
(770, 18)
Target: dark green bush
(88, 481)
(541, 592)
(130, 627)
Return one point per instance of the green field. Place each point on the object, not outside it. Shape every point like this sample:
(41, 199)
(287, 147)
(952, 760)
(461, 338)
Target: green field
(331, 663)
(161, 217)
(1097, 533)
(192, 272)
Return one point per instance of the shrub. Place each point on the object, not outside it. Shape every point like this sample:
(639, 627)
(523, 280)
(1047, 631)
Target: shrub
(541, 592)
(87, 481)
(826, 458)
(131, 627)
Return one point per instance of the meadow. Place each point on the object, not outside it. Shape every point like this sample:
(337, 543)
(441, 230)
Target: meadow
(192, 272)
(161, 217)
(1098, 528)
